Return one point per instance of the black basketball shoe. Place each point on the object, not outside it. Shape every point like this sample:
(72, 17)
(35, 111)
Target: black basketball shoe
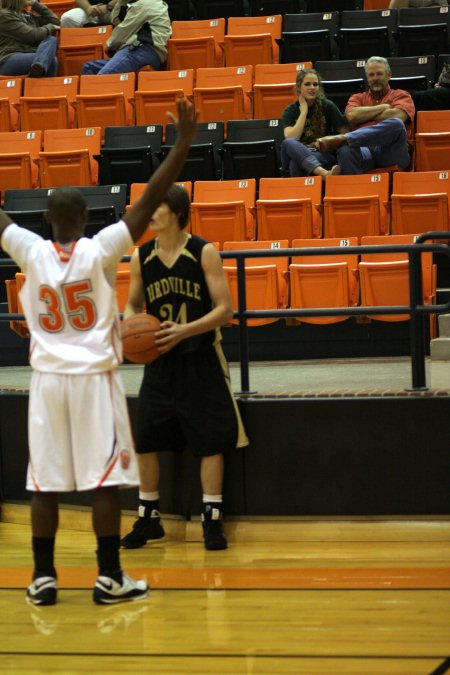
(213, 534)
(143, 530)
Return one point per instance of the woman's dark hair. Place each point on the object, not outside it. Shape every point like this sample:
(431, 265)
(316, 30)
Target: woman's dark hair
(177, 199)
(301, 76)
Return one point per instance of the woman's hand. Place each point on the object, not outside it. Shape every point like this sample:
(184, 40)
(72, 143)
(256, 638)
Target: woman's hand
(303, 105)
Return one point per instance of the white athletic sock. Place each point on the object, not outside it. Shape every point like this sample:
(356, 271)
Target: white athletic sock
(212, 499)
(149, 496)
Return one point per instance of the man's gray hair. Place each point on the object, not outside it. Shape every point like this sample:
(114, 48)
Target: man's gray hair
(379, 59)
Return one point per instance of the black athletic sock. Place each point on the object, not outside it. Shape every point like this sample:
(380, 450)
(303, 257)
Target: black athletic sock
(146, 508)
(108, 557)
(43, 554)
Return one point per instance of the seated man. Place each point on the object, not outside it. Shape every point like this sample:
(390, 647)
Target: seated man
(380, 120)
(142, 29)
(95, 12)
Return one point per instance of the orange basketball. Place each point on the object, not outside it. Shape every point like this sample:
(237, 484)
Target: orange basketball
(138, 338)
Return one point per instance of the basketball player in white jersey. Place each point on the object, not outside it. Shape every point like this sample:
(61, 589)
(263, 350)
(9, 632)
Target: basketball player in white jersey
(79, 435)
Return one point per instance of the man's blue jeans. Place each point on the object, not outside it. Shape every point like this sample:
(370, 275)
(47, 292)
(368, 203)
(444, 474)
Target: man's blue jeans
(20, 63)
(126, 60)
(374, 146)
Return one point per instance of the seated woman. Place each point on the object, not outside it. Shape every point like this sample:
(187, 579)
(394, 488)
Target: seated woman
(27, 44)
(307, 119)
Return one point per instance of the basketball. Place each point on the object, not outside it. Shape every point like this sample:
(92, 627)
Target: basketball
(138, 338)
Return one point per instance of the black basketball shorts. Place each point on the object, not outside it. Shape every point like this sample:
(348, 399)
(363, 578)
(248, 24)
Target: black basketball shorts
(185, 401)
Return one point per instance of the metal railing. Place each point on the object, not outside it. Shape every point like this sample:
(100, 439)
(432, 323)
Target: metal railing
(415, 309)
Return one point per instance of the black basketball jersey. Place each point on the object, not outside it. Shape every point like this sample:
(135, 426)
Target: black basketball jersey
(178, 293)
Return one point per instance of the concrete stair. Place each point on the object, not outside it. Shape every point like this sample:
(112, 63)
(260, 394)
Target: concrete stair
(440, 355)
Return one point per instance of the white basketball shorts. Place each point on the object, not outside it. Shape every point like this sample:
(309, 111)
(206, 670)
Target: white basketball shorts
(79, 433)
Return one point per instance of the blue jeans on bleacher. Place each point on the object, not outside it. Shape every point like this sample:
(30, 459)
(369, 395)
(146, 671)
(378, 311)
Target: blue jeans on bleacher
(298, 159)
(378, 145)
(126, 60)
(20, 63)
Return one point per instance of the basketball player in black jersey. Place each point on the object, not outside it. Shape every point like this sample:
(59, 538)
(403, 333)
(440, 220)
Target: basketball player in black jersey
(185, 398)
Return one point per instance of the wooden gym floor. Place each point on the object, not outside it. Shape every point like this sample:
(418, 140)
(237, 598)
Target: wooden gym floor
(293, 596)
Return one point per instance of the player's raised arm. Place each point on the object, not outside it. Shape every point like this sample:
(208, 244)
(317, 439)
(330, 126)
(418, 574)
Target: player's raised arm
(139, 215)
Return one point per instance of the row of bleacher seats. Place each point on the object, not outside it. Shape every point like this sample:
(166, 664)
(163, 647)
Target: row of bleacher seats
(186, 10)
(31, 159)
(309, 37)
(272, 39)
(258, 92)
(301, 281)
(284, 209)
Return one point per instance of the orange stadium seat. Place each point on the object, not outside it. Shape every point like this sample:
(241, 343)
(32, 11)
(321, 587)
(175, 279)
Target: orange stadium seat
(355, 206)
(224, 210)
(433, 140)
(266, 279)
(289, 208)
(320, 281)
(157, 93)
(420, 202)
(196, 44)
(78, 45)
(273, 88)
(223, 94)
(68, 159)
(18, 152)
(60, 6)
(376, 4)
(252, 39)
(10, 92)
(47, 103)
(384, 277)
(106, 101)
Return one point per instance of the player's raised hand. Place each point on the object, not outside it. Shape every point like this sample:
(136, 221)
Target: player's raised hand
(185, 121)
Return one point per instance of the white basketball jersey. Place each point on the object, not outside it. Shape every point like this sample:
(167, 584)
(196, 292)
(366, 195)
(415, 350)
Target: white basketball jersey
(69, 298)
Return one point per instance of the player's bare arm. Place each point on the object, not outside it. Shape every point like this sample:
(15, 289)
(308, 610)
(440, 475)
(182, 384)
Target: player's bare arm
(172, 333)
(135, 301)
(139, 215)
(5, 220)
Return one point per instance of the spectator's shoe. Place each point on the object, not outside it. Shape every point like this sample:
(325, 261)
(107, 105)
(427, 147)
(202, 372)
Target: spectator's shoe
(43, 591)
(36, 70)
(143, 530)
(215, 539)
(331, 143)
(108, 591)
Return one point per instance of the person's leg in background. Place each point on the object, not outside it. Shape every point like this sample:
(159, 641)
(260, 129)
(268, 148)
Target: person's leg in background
(45, 63)
(375, 145)
(300, 160)
(148, 525)
(128, 60)
(211, 476)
